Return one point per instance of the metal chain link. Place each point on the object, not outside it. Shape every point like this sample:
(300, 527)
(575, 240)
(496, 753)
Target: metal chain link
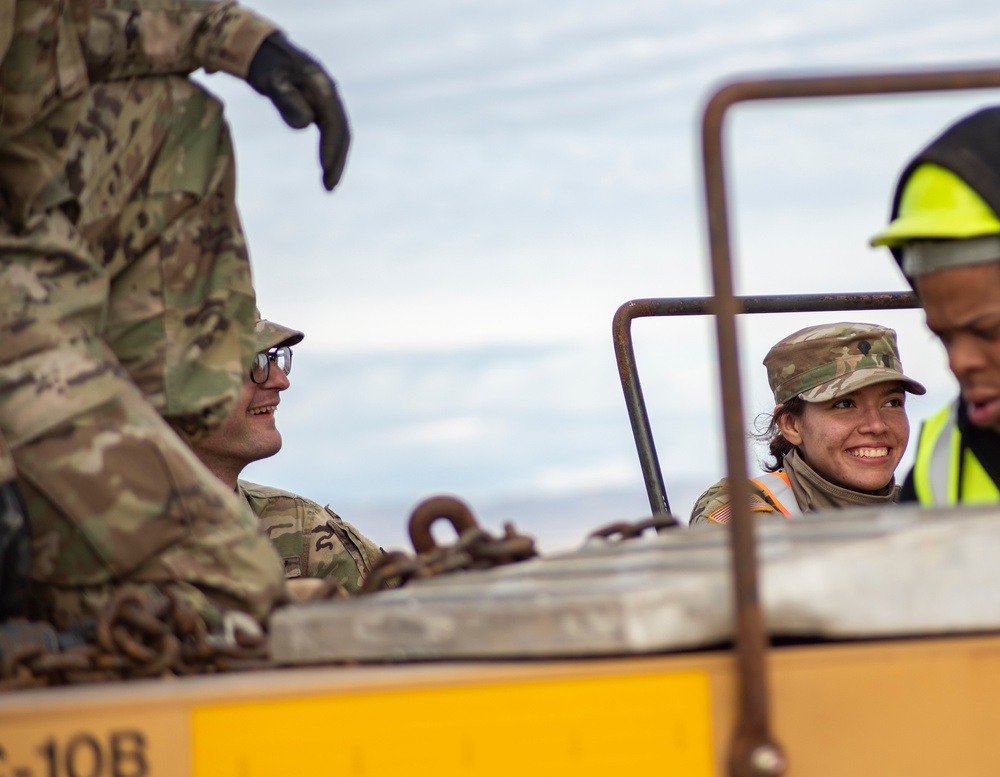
(475, 549)
(143, 635)
(136, 636)
(626, 531)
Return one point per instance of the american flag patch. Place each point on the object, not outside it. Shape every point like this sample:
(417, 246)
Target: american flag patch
(724, 513)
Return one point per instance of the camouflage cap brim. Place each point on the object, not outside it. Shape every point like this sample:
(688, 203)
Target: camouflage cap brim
(268, 335)
(852, 381)
(823, 362)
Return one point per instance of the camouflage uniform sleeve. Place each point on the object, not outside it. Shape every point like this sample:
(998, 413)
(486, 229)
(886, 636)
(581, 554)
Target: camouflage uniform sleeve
(312, 540)
(126, 38)
(713, 505)
(327, 560)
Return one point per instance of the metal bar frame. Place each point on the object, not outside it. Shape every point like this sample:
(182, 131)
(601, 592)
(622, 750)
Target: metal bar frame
(753, 749)
(628, 371)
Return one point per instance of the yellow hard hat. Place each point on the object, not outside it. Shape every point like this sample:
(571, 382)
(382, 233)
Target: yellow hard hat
(937, 205)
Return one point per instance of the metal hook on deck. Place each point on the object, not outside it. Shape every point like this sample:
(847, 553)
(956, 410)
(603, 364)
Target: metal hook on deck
(428, 512)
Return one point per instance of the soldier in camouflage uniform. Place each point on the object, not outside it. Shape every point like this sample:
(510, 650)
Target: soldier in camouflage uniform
(126, 306)
(312, 540)
(839, 425)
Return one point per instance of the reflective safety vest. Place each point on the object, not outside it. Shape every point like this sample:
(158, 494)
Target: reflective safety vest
(937, 471)
(779, 491)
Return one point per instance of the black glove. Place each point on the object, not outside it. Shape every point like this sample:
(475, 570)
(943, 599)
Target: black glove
(304, 94)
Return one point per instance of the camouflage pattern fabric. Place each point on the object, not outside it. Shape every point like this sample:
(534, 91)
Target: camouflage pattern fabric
(312, 541)
(57, 49)
(125, 295)
(166, 238)
(711, 506)
(268, 335)
(824, 362)
(114, 496)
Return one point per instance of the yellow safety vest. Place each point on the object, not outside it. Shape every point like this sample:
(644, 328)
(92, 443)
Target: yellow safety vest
(936, 471)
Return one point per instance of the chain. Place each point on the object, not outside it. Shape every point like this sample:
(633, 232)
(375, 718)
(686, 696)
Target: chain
(626, 531)
(475, 549)
(143, 635)
(137, 636)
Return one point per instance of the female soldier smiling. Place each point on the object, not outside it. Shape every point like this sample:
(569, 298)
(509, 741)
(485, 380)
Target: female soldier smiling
(839, 426)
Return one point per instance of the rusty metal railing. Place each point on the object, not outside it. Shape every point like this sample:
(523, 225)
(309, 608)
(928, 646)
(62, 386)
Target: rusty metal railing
(754, 751)
(628, 370)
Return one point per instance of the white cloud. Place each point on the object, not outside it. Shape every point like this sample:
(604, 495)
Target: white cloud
(450, 430)
(602, 476)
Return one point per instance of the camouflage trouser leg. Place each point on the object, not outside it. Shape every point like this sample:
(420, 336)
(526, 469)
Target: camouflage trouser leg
(152, 172)
(160, 275)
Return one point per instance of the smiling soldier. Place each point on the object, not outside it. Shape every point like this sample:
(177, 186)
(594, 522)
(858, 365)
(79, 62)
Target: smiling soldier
(839, 425)
(312, 540)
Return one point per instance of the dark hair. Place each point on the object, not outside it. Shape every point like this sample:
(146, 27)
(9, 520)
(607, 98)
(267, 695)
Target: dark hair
(768, 431)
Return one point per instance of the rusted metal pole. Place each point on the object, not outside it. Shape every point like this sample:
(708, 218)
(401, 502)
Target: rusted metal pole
(754, 751)
(638, 417)
(753, 732)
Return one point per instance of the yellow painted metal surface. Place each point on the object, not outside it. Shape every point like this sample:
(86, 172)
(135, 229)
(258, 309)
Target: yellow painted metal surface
(582, 726)
(913, 708)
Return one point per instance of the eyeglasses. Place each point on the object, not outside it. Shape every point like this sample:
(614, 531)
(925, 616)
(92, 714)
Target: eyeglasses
(260, 370)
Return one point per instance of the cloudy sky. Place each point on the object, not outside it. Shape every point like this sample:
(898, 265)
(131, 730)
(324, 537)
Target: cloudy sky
(519, 170)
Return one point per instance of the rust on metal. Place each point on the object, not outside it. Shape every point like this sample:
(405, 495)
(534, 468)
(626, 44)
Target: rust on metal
(475, 548)
(430, 511)
(624, 530)
(753, 732)
(138, 634)
(394, 569)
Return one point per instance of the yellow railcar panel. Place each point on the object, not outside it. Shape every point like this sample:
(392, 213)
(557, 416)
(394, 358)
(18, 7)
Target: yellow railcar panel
(912, 708)
(641, 724)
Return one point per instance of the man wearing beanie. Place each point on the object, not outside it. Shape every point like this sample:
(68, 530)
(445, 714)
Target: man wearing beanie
(945, 235)
(312, 540)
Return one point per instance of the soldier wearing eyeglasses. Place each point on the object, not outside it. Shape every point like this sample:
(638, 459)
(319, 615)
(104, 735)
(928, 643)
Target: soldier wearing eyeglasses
(312, 540)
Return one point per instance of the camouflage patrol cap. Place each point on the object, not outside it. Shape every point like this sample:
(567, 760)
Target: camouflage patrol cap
(268, 335)
(824, 362)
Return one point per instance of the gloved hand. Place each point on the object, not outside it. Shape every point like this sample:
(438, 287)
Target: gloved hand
(304, 94)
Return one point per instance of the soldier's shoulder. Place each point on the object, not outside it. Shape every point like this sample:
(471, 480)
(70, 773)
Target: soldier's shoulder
(712, 499)
(368, 549)
(270, 499)
(264, 492)
(713, 506)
